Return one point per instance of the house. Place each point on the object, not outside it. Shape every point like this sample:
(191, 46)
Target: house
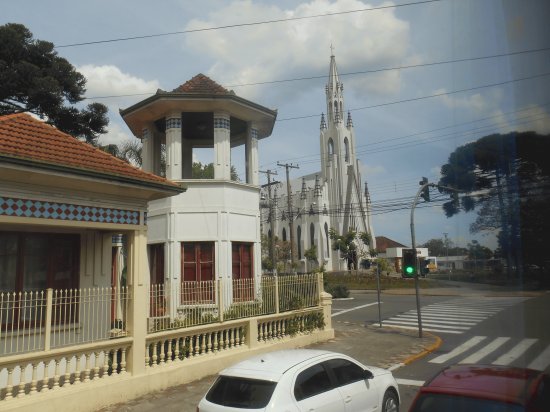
(62, 202)
(211, 232)
(392, 251)
(331, 198)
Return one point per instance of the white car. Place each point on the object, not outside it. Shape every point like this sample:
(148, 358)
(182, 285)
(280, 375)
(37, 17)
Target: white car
(302, 380)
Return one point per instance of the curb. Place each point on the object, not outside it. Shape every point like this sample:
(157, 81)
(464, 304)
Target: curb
(426, 351)
(438, 342)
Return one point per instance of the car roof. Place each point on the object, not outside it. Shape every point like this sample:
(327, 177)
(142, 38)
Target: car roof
(504, 383)
(272, 365)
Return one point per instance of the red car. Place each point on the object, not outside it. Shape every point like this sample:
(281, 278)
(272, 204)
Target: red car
(484, 388)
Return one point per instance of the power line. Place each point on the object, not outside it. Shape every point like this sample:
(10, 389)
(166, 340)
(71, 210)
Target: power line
(414, 99)
(413, 66)
(231, 26)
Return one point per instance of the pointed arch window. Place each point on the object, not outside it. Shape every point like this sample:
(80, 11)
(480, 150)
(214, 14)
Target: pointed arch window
(346, 150)
(299, 236)
(328, 242)
(284, 235)
(311, 235)
(330, 148)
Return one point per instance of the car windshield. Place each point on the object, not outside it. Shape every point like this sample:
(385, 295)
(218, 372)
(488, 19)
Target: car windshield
(240, 392)
(437, 403)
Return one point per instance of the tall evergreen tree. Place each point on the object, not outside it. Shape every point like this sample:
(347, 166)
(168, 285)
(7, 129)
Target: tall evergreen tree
(34, 79)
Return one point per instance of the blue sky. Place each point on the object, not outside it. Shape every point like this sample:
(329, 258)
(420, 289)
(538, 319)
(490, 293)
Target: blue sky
(402, 133)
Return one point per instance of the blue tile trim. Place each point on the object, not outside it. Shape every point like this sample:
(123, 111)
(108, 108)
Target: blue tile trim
(173, 123)
(14, 207)
(221, 123)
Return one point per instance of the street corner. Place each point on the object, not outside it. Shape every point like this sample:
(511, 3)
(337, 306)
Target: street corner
(399, 347)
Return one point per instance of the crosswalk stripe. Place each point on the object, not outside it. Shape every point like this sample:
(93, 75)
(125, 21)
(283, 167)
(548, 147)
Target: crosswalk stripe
(515, 352)
(410, 322)
(455, 332)
(445, 315)
(542, 361)
(447, 322)
(465, 312)
(459, 349)
(480, 354)
(409, 382)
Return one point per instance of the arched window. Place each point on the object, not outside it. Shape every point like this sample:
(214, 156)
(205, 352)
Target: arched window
(328, 241)
(269, 234)
(311, 235)
(299, 236)
(346, 149)
(330, 147)
(284, 235)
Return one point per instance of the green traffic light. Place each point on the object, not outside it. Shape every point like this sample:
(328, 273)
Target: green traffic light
(409, 270)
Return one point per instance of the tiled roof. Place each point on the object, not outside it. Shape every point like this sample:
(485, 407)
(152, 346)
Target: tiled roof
(201, 84)
(24, 137)
(383, 243)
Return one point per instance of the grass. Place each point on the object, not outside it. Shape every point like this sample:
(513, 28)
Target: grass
(367, 281)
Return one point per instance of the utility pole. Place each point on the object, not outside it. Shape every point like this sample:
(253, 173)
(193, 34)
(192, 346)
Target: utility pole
(447, 255)
(271, 219)
(288, 166)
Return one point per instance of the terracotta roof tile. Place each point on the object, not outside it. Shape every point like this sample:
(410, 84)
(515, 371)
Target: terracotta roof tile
(383, 243)
(201, 84)
(24, 137)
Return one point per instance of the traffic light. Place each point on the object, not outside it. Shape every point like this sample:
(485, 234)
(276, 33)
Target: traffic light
(425, 194)
(409, 263)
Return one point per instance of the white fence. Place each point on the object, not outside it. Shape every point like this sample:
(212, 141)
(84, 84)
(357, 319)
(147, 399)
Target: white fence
(57, 339)
(197, 303)
(44, 320)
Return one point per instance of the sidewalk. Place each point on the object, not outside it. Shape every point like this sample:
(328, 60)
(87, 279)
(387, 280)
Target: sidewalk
(383, 347)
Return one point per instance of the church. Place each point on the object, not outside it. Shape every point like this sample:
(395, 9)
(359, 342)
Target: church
(332, 198)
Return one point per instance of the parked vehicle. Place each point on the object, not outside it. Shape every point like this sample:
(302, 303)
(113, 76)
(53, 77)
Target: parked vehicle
(302, 380)
(484, 388)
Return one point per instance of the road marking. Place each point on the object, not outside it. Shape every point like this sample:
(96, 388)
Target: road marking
(409, 382)
(542, 361)
(515, 352)
(480, 354)
(403, 322)
(459, 349)
(448, 316)
(426, 329)
(355, 308)
(438, 320)
(464, 312)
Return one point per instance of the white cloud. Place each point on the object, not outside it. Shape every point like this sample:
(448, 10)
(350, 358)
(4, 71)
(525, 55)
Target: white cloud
(530, 118)
(109, 80)
(368, 171)
(115, 135)
(364, 40)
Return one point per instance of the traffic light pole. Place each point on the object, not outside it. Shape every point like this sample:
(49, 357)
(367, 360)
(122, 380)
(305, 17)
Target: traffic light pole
(413, 245)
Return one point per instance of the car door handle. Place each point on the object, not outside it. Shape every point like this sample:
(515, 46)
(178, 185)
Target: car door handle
(347, 399)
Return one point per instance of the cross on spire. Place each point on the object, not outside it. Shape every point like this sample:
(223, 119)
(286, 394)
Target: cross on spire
(331, 49)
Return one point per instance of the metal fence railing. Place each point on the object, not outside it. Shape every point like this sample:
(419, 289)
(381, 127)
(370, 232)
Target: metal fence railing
(43, 320)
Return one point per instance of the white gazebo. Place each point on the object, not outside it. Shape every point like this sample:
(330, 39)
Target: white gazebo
(212, 231)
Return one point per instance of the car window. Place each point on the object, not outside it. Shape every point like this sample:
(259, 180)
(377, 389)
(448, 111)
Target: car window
(240, 392)
(449, 403)
(311, 382)
(346, 372)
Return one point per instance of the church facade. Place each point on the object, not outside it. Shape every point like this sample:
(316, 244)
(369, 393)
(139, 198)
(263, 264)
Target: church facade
(332, 198)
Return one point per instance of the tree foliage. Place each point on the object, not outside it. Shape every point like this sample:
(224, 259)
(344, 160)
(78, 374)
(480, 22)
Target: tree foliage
(506, 178)
(34, 79)
(206, 171)
(438, 247)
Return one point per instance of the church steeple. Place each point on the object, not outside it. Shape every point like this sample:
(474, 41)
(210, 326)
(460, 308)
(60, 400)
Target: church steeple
(334, 94)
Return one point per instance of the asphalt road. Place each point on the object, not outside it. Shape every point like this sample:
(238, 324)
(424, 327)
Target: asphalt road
(476, 329)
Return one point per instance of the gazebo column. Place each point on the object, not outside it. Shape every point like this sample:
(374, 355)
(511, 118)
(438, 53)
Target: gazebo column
(251, 149)
(173, 146)
(187, 162)
(222, 146)
(147, 150)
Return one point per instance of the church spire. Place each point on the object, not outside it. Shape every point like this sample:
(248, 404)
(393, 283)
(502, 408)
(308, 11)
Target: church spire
(334, 93)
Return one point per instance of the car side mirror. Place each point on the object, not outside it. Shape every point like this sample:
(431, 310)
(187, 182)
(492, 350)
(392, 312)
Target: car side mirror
(368, 374)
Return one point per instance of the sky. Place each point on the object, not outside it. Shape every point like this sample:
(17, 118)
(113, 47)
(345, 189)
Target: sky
(421, 78)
